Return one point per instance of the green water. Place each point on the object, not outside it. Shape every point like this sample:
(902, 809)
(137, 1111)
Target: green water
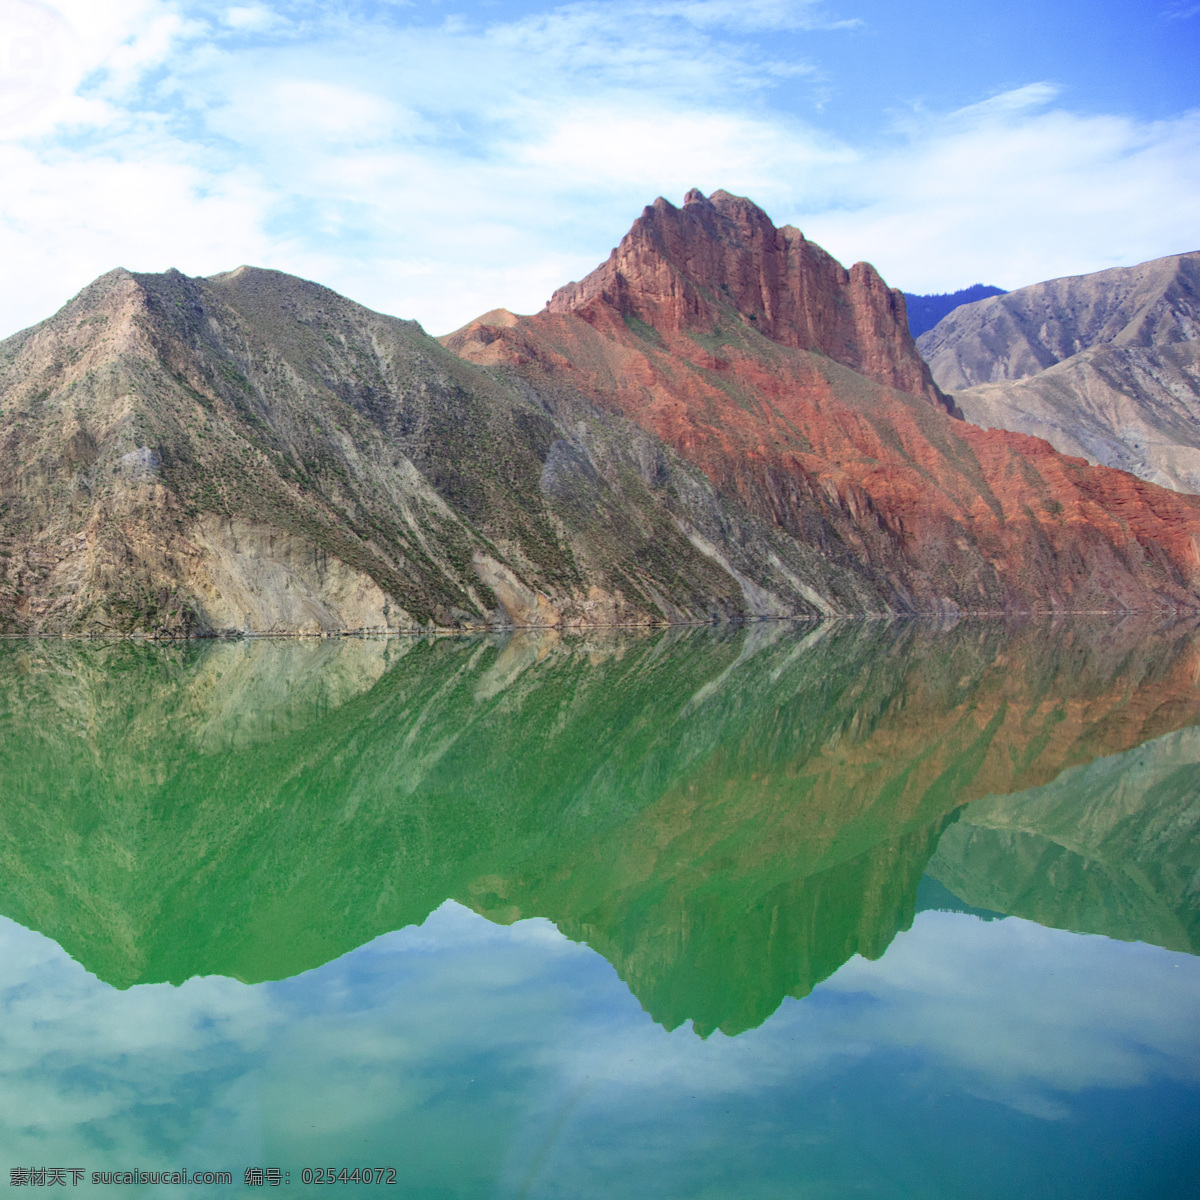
(816, 910)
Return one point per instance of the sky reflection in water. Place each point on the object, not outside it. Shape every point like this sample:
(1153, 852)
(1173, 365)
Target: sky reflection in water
(487, 1060)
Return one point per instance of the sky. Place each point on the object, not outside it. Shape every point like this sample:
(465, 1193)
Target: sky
(436, 159)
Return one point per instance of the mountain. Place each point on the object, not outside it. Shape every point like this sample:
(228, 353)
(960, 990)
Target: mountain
(688, 271)
(726, 814)
(255, 452)
(924, 312)
(719, 423)
(795, 386)
(1103, 366)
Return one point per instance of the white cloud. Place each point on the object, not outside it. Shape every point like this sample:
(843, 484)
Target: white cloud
(73, 218)
(151, 44)
(394, 1035)
(753, 14)
(306, 111)
(121, 38)
(430, 172)
(1011, 193)
(626, 147)
(1021, 99)
(251, 17)
(740, 15)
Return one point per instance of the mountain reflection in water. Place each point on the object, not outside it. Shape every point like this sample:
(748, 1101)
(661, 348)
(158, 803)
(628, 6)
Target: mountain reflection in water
(726, 816)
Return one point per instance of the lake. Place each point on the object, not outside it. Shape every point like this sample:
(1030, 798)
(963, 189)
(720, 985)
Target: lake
(795, 909)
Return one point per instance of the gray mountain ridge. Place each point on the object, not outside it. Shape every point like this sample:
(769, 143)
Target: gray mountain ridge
(1103, 366)
(925, 310)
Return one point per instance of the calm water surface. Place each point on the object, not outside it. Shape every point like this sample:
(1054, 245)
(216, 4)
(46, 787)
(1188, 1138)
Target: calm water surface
(838, 910)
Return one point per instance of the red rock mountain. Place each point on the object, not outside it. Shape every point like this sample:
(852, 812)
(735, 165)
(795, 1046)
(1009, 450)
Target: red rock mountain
(678, 269)
(795, 385)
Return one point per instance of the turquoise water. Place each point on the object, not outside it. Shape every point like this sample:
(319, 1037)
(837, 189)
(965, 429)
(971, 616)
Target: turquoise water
(822, 911)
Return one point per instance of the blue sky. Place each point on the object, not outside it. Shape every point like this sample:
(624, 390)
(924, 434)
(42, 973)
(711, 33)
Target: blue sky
(435, 158)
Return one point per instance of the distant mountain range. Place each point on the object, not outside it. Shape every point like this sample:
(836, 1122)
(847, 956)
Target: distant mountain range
(1104, 366)
(720, 422)
(924, 312)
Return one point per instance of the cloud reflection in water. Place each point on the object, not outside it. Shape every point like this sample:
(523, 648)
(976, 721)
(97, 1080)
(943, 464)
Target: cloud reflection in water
(492, 1060)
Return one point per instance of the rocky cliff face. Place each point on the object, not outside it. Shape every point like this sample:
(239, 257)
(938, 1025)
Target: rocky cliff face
(1105, 366)
(254, 452)
(681, 269)
(794, 386)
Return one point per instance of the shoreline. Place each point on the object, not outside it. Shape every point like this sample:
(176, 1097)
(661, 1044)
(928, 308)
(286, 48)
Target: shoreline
(931, 615)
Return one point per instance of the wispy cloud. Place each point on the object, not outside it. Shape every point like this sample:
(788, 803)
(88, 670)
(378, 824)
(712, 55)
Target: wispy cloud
(430, 169)
(436, 166)
(948, 989)
(1011, 191)
(755, 15)
(251, 16)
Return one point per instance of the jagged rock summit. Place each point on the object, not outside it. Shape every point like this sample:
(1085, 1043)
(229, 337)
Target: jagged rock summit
(795, 386)
(679, 270)
(1106, 366)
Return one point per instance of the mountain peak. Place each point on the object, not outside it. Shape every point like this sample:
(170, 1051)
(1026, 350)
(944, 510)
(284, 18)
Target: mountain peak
(720, 259)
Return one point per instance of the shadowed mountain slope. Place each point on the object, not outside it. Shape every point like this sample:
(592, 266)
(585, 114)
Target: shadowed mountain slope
(796, 387)
(1105, 366)
(255, 452)
(726, 815)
